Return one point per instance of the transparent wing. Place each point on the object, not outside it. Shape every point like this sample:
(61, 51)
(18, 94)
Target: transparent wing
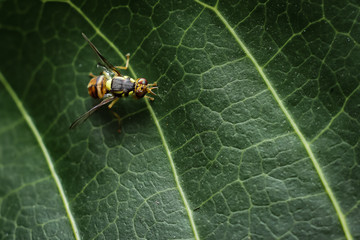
(86, 115)
(103, 61)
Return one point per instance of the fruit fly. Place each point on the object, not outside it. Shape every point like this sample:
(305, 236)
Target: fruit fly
(110, 85)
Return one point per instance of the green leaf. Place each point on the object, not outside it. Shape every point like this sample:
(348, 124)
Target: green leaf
(254, 132)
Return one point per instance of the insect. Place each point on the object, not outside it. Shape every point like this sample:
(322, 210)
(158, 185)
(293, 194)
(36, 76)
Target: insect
(110, 85)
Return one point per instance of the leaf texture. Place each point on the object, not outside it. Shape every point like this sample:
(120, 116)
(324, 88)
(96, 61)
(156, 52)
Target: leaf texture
(254, 133)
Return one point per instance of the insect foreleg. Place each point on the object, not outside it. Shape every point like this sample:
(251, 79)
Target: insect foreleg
(151, 98)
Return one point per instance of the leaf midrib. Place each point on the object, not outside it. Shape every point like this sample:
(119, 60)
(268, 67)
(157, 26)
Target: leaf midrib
(45, 152)
(168, 152)
(152, 113)
(288, 116)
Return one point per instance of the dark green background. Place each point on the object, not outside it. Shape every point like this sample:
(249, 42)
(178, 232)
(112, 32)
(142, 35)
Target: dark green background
(223, 148)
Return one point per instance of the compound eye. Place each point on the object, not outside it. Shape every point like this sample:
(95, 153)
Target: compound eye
(142, 81)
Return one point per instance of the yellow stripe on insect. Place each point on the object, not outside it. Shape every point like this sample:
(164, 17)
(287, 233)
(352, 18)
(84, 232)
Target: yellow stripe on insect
(108, 84)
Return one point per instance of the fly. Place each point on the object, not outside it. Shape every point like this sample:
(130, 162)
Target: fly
(111, 85)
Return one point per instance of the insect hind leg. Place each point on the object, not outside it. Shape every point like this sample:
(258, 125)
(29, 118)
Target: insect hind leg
(113, 102)
(119, 120)
(127, 62)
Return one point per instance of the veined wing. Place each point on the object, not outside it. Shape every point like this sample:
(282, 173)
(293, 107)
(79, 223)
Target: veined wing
(86, 115)
(103, 61)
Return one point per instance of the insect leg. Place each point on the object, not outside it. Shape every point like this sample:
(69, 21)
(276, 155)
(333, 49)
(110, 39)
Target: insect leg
(92, 75)
(150, 87)
(113, 102)
(119, 120)
(127, 62)
(151, 98)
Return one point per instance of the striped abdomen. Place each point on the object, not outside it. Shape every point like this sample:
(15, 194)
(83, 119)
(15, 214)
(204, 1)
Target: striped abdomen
(97, 86)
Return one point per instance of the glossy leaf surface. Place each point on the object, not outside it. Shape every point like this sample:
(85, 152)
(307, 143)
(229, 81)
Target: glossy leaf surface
(254, 133)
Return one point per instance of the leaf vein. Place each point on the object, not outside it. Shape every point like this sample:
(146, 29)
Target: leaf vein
(153, 115)
(43, 148)
(292, 122)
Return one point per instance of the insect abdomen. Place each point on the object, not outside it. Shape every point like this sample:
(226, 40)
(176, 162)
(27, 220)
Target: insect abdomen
(97, 87)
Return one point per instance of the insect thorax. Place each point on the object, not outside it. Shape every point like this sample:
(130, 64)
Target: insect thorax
(122, 86)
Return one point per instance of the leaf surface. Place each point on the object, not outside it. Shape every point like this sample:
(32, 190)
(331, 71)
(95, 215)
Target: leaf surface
(254, 132)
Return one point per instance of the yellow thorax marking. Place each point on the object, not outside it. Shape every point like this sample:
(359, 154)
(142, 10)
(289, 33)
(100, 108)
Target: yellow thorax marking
(108, 84)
